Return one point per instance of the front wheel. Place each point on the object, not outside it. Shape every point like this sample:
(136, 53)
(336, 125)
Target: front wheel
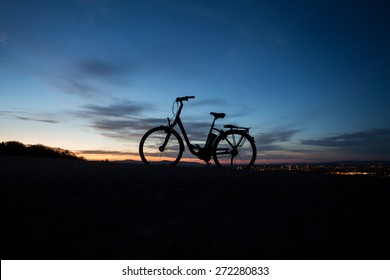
(234, 149)
(152, 151)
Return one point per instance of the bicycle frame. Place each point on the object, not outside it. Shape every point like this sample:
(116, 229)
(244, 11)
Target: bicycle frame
(178, 122)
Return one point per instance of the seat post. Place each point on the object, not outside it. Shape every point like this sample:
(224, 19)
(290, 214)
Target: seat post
(212, 125)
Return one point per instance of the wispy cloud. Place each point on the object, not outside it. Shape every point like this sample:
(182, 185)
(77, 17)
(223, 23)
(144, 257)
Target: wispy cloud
(277, 136)
(77, 86)
(31, 116)
(273, 140)
(100, 68)
(373, 140)
(370, 136)
(94, 76)
(282, 145)
(196, 130)
(125, 119)
(123, 108)
(124, 128)
(122, 119)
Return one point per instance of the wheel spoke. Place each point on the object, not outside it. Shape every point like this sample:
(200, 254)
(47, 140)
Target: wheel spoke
(152, 150)
(235, 150)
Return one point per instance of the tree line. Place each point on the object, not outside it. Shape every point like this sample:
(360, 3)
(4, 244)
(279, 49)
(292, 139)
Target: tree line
(14, 148)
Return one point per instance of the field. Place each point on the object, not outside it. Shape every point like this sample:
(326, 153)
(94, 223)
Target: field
(67, 209)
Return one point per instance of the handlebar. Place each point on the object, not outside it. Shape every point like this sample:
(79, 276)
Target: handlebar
(185, 98)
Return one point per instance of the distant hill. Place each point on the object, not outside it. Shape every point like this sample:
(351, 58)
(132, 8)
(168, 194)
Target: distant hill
(14, 148)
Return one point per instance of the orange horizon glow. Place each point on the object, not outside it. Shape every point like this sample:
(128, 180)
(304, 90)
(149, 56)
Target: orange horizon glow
(124, 157)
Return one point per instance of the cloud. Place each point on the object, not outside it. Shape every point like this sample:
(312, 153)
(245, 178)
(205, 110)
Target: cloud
(99, 68)
(130, 127)
(279, 146)
(94, 76)
(77, 86)
(124, 119)
(196, 131)
(32, 116)
(125, 128)
(374, 140)
(120, 109)
(352, 139)
(277, 136)
(271, 141)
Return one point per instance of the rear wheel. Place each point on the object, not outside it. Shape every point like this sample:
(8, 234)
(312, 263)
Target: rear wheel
(152, 152)
(234, 149)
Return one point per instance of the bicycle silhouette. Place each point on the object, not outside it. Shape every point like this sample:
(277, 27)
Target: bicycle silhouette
(233, 148)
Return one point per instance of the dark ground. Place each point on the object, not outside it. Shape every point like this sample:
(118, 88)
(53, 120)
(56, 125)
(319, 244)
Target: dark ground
(64, 209)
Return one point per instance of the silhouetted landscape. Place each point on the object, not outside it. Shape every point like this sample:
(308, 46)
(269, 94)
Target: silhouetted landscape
(67, 209)
(15, 148)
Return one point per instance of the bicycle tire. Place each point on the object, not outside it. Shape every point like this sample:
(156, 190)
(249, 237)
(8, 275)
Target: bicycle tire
(149, 147)
(234, 149)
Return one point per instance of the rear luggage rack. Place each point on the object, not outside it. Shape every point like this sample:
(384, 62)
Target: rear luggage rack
(231, 126)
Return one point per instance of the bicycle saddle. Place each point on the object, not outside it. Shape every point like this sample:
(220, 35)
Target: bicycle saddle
(218, 115)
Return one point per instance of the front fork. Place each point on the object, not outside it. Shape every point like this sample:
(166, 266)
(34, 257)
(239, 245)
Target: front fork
(169, 132)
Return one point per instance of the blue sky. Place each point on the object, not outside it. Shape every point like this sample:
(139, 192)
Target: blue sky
(311, 78)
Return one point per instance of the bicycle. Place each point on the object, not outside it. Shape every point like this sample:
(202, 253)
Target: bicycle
(233, 148)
